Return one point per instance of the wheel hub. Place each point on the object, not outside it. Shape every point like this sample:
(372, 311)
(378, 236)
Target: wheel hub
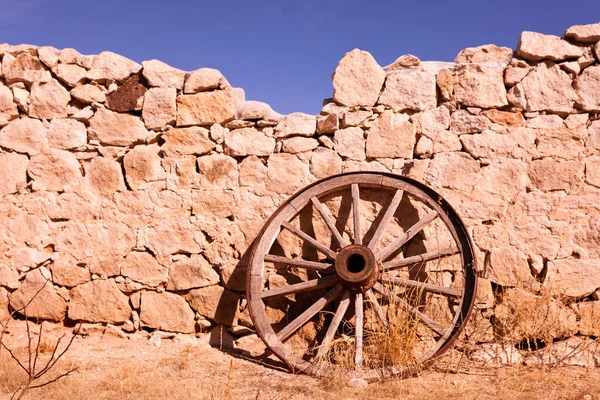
(356, 268)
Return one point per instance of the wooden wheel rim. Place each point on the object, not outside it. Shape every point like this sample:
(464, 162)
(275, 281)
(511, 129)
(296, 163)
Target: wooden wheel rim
(355, 180)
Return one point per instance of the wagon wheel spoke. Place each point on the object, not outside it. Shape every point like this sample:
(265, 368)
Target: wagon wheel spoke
(358, 355)
(313, 242)
(421, 258)
(409, 234)
(334, 325)
(312, 265)
(313, 284)
(356, 214)
(377, 307)
(310, 312)
(328, 221)
(387, 217)
(428, 322)
(426, 287)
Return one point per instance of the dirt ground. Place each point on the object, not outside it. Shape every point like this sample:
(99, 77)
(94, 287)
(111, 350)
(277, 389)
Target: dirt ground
(116, 368)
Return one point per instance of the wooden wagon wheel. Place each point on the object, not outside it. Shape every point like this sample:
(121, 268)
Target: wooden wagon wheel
(384, 287)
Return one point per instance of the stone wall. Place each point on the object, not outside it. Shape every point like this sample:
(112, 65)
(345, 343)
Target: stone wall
(132, 191)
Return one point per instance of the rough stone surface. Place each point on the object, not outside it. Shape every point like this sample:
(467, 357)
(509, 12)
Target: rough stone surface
(48, 100)
(66, 134)
(357, 80)
(143, 166)
(160, 108)
(204, 79)
(111, 66)
(409, 89)
(159, 74)
(40, 298)
(573, 278)
(299, 144)
(25, 135)
(391, 136)
(536, 46)
(548, 174)
(24, 68)
(296, 124)
(247, 142)
(66, 272)
(57, 171)
(286, 173)
(116, 129)
(206, 108)
(587, 87)
(105, 176)
(142, 267)
(325, 162)
(216, 303)
(8, 108)
(89, 93)
(128, 97)
(166, 311)
(193, 140)
(486, 53)
(191, 273)
(13, 174)
(589, 33)
(546, 88)
(99, 301)
(71, 74)
(350, 143)
(479, 86)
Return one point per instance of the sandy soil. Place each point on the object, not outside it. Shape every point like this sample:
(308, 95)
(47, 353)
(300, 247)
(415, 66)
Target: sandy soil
(114, 368)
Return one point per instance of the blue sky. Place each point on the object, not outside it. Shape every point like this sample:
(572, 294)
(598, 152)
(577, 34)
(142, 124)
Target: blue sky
(282, 52)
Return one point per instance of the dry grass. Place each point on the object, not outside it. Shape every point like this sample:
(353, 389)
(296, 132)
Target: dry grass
(209, 374)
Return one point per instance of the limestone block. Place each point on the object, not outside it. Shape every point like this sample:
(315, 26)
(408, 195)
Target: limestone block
(46, 303)
(191, 273)
(115, 129)
(350, 143)
(159, 74)
(486, 53)
(8, 108)
(111, 66)
(480, 85)
(13, 174)
(143, 268)
(160, 108)
(56, 171)
(587, 87)
(409, 89)
(247, 142)
(66, 134)
(99, 301)
(536, 46)
(216, 303)
(204, 79)
(391, 136)
(206, 108)
(193, 140)
(166, 311)
(143, 166)
(357, 80)
(296, 124)
(286, 173)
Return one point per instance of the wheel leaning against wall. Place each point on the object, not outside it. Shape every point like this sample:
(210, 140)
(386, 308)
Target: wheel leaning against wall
(383, 288)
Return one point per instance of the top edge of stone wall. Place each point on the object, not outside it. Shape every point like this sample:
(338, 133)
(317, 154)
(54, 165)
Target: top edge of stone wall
(575, 51)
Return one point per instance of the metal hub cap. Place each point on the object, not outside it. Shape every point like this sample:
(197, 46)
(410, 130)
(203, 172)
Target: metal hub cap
(356, 268)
